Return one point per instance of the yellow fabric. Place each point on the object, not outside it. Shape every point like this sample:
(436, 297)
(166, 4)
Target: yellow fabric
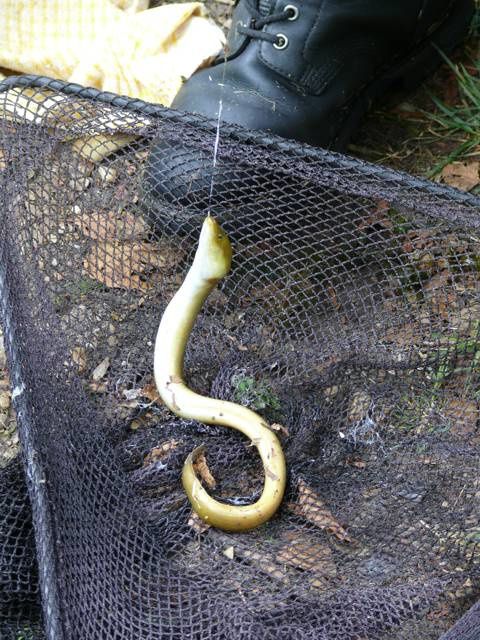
(113, 45)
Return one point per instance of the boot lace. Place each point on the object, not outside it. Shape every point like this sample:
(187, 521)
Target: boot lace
(255, 28)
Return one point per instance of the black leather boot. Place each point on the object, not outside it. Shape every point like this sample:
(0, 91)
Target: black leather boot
(308, 70)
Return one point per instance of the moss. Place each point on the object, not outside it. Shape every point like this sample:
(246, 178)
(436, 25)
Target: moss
(256, 394)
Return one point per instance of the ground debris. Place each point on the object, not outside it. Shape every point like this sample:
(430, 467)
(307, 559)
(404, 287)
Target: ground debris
(302, 553)
(128, 265)
(112, 225)
(197, 524)
(161, 452)
(462, 175)
(312, 508)
(201, 468)
(150, 392)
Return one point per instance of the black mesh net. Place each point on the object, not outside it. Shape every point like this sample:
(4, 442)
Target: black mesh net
(350, 321)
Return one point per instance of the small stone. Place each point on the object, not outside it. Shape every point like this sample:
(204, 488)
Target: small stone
(229, 552)
(413, 495)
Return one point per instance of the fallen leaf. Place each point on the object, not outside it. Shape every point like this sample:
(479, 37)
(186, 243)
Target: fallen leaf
(100, 370)
(160, 453)
(302, 553)
(313, 509)
(201, 468)
(97, 387)
(125, 265)
(264, 562)
(463, 415)
(150, 392)
(79, 357)
(462, 175)
(111, 225)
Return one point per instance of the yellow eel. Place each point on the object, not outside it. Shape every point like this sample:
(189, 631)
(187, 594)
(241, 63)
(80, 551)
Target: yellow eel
(212, 262)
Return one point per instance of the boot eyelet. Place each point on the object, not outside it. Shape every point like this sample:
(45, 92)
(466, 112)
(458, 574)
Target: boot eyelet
(292, 11)
(281, 42)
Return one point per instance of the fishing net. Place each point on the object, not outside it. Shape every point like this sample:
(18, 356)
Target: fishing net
(350, 321)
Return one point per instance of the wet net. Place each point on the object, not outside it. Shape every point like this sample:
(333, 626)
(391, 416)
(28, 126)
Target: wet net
(350, 321)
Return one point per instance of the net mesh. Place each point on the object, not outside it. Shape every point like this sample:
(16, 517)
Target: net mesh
(350, 321)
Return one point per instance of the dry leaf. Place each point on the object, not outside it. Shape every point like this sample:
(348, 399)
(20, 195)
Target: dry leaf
(111, 225)
(160, 453)
(79, 357)
(98, 387)
(150, 392)
(264, 562)
(100, 370)
(462, 175)
(201, 468)
(302, 553)
(125, 265)
(313, 509)
(463, 415)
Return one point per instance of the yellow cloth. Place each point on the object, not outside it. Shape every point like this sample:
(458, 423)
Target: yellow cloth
(113, 45)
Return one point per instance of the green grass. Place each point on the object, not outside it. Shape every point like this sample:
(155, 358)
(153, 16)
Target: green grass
(452, 348)
(460, 122)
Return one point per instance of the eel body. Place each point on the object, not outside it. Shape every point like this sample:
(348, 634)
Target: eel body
(211, 263)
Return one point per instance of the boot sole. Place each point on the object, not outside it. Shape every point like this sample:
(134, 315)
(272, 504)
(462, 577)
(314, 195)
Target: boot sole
(411, 72)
